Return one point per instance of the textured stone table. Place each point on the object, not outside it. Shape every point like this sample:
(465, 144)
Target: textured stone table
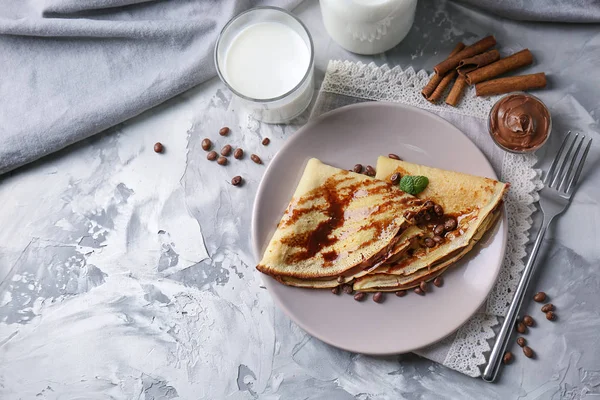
(126, 274)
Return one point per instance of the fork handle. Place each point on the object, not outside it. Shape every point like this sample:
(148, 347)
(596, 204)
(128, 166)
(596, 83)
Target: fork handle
(493, 366)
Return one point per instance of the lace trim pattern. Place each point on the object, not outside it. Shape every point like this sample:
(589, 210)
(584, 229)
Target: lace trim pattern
(371, 82)
(395, 85)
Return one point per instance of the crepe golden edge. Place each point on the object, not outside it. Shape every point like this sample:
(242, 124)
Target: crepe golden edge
(317, 178)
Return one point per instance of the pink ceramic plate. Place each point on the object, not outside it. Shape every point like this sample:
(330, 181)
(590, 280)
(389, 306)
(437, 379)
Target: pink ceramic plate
(359, 134)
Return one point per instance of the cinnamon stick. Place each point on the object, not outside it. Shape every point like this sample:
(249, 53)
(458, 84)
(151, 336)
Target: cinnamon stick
(511, 84)
(476, 48)
(441, 88)
(457, 91)
(436, 79)
(478, 61)
(517, 60)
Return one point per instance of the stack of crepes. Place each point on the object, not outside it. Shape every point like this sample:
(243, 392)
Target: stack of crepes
(343, 227)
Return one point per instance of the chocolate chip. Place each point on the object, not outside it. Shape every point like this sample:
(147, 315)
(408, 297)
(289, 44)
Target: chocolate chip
(547, 307)
(378, 297)
(158, 147)
(370, 171)
(550, 316)
(528, 352)
(236, 180)
(438, 210)
(238, 153)
(395, 178)
(439, 281)
(340, 279)
(439, 229)
(394, 156)
(423, 286)
(206, 144)
(335, 290)
(507, 357)
(347, 289)
(212, 155)
(429, 204)
(438, 239)
(226, 150)
(222, 160)
(540, 297)
(427, 217)
(450, 224)
(266, 141)
(360, 296)
(401, 293)
(521, 328)
(256, 159)
(418, 291)
(527, 320)
(429, 242)
(224, 131)
(521, 341)
(357, 168)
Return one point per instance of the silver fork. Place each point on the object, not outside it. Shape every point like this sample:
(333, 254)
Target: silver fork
(559, 184)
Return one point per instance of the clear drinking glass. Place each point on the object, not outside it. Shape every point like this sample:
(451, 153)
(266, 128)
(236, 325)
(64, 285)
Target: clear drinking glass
(278, 109)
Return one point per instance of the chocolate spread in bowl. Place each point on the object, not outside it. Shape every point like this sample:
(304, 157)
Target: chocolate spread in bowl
(519, 122)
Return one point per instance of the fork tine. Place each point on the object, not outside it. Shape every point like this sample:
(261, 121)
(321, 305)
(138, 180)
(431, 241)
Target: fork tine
(573, 182)
(566, 177)
(564, 163)
(550, 172)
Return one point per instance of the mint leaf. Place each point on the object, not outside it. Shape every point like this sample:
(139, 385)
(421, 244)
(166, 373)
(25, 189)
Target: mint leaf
(407, 184)
(421, 183)
(413, 184)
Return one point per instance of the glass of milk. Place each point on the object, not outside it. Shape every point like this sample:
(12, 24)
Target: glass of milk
(265, 56)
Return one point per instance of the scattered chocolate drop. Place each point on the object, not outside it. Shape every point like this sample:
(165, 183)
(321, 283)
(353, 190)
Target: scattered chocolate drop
(418, 291)
(527, 320)
(401, 293)
(423, 286)
(360, 296)
(370, 171)
(507, 357)
(212, 155)
(256, 159)
(439, 229)
(395, 178)
(521, 341)
(378, 297)
(226, 150)
(347, 289)
(266, 141)
(340, 279)
(438, 239)
(224, 131)
(357, 168)
(236, 180)
(521, 328)
(540, 297)
(158, 147)
(547, 307)
(238, 154)
(206, 144)
(222, 160)
(335, 290)
(439, 210)
(394, 156)
(429, 242)
(550, 316)
(528, 352)
(439, 281)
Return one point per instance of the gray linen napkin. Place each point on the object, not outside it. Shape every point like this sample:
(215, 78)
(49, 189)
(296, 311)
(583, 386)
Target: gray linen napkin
(72, 68)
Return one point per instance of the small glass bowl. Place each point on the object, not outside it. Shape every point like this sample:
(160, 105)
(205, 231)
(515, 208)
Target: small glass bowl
(289, 105)
(524, 151)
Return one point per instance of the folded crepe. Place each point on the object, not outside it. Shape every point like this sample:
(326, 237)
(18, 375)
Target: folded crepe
(338, 224)
(474, 202)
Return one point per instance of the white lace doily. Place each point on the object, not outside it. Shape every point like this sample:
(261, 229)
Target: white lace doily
(465, 351)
